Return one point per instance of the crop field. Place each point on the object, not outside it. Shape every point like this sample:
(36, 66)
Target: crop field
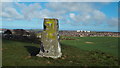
(77, 51)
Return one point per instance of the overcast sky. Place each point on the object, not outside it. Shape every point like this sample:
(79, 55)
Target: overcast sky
(93, 16)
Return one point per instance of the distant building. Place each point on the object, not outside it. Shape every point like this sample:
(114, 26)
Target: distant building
(78, 30)
(88, 31)
(2, 31)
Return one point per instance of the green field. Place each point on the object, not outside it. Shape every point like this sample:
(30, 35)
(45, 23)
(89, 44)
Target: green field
(82, 51)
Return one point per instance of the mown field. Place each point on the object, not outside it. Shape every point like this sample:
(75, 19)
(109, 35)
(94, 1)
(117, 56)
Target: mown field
(80, 51)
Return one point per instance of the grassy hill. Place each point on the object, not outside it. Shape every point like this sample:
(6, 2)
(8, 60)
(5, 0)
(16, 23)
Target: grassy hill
(82, 51)
(105, 44)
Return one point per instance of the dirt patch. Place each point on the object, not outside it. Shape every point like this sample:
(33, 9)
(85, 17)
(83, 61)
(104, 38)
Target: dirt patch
(3, 49)
(27, 57)
(69, 39)
(115, 36)
(89, 42)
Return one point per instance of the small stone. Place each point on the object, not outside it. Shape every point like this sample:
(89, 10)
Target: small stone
(27, 57)
(70, 61)
(62, 58)
(48, 62)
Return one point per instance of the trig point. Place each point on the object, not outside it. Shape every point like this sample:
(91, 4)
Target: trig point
(50, 46)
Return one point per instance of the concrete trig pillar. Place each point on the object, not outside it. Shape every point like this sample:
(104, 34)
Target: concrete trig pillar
(50, 46)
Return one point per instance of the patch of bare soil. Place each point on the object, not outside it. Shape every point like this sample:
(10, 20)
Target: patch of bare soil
(89, 42)
(115, 36)
(3, 49)
(69, 39)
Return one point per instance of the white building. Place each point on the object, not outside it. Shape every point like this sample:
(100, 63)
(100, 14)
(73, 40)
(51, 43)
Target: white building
(78, 30)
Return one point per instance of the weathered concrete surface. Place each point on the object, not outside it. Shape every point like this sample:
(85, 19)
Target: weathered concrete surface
(50, 46)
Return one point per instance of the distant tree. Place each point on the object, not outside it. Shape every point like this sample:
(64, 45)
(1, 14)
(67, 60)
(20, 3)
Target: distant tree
(19, 31)
(8, 32)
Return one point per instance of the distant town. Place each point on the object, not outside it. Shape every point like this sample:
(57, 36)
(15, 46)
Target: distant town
(73, 33)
